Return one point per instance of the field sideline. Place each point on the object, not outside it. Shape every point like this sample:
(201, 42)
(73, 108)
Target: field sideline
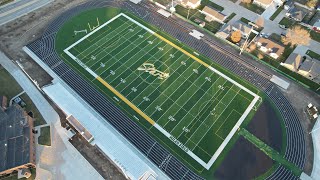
(196, 107)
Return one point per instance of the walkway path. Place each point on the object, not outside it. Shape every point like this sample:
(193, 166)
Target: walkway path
(316, 144)
(61, 160)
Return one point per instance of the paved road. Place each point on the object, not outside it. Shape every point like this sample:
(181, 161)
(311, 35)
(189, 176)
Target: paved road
(61, 160)
(19, 8)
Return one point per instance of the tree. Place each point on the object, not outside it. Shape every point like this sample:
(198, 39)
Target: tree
(260, 21)
(296, 36)
(312, 3)
(235, 36)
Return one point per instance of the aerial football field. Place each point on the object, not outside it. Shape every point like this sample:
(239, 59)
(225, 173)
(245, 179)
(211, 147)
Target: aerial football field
(171, 92)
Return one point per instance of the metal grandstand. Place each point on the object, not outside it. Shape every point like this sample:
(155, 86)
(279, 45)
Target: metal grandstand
(45, 50)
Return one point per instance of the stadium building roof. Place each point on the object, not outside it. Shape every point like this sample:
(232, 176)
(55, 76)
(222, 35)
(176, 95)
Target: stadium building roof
(16, 139)
(133, 164)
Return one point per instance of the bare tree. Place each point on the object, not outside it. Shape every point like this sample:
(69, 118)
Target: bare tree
(312, 3)
(296, 36)
(260, 21)
(235, 36)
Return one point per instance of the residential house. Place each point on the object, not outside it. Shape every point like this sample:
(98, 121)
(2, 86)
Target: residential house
(269, 47)
(213, 15)
(193, 4)
(293, 62)
(310, 69)
(17, 145)
(242, 27)
(225, 31)
(263, 3)
(297, 11)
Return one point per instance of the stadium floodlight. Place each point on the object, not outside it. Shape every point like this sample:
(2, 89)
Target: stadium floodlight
(246, 41)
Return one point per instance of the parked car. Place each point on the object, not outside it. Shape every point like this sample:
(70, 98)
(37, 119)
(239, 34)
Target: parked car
(283, 26)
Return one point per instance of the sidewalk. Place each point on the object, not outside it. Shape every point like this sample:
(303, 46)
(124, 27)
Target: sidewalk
(316, 144)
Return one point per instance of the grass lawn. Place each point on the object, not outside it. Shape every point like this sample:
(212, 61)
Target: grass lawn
(244, 20)
(45, 137)
(275, 14)
(287, 22)
(315, 35)
(9, 87)
(229, 17)
(313, 54)
(38, 119)
(252, 7)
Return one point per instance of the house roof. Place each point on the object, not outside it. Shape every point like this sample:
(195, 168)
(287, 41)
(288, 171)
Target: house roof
(214, 13)
(306, 65)
(311, 66)
(275, 47)
(225, 31)
(295, 60)
(15, 137)
(190, 1)
(264, 1)
(244, 28)
(298, 11)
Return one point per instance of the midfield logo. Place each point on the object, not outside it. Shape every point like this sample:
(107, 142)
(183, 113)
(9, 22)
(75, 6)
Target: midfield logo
(149, 67)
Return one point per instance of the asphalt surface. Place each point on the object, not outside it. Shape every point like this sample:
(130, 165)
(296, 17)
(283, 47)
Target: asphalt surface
(19, 8)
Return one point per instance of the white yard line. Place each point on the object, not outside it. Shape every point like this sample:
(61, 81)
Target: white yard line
(205, 119)
(103, 39)
(107, 53)
(171, 73)
(218, 117)
(141, 50)
(163, 92)
(213, 97)
(179, 144)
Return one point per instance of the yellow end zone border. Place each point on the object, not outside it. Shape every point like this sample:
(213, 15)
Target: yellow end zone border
(152, 122)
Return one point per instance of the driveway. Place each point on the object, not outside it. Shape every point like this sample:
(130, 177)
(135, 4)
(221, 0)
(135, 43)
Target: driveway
(269, 11)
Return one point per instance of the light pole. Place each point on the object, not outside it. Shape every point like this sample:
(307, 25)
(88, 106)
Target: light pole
(245, 43)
